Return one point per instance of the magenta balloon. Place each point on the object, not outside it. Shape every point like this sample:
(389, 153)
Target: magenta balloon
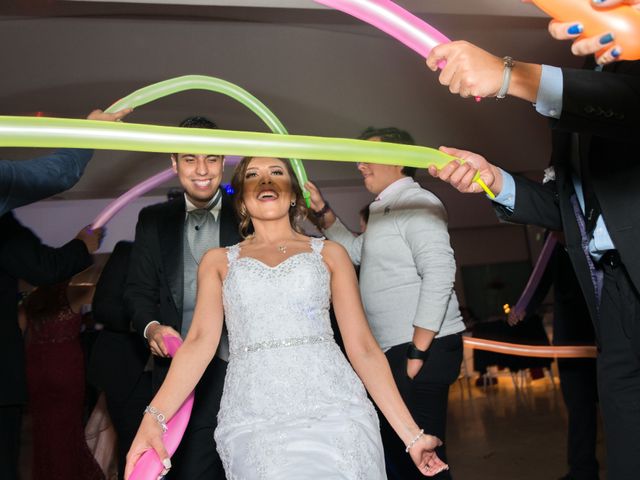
(150, 466)
(140, 189)
(534, 280)
(385, 15)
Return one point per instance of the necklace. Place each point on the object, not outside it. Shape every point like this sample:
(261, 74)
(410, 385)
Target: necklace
(282, 248)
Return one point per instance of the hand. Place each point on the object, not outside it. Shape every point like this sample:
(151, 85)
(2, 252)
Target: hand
(109, 117)
(91, 238)
(470, 71)
(413, 367)
(316, 200)
(515, 316)
(155, 332)
(149, 436)
(424, 456)
(460, 174)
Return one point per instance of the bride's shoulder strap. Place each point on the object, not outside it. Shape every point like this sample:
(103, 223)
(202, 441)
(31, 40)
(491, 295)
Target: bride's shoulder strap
(233, 252)
(317, 244)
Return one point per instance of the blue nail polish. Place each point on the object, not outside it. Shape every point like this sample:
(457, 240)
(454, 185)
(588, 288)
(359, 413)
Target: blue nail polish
(615, 53)
(606, 38)
(598, 1)
(574, 29)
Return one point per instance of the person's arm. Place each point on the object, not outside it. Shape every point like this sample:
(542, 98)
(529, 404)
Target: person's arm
(333, 228)
(142, 293)
(424, 229)
(23, 255)
(27, 181)
(370, 363)
(190, 361)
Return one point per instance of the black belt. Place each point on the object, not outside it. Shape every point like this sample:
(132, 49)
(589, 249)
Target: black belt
(611, 259)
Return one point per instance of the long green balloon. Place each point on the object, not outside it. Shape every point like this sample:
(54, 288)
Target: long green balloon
(71, 133)
(200, 82)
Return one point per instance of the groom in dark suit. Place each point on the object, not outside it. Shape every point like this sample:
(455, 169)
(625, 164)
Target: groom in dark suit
(161, 290)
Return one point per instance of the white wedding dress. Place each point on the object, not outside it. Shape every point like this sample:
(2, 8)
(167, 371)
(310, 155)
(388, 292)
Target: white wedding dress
(292, 408)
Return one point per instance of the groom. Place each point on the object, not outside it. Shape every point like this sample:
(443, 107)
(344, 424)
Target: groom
(161, 290)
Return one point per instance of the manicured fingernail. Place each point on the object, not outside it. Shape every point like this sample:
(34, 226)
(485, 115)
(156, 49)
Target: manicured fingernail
(574, 29)
(615, 53)
(166, 463)
(606, 38)
(598, 1)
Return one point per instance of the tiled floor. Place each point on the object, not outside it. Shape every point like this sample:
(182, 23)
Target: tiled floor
(508, 433)
(499, 432)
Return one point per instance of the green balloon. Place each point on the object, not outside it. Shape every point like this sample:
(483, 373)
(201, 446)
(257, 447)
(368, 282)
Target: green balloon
(200, 82)
(72, 133)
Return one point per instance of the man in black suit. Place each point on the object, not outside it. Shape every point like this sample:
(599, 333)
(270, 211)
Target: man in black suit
(22, 255)
(593, 197)
(119, 355)
(170, 241)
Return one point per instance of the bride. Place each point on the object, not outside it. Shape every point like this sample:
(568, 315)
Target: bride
(292, 405)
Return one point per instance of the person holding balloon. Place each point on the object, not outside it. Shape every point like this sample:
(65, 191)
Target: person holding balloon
(171, 239)
(594, 199)
(292, 406)
(25, 182)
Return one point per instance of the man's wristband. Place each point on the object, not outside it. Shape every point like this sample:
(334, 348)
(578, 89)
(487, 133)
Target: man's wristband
(320, 213)
(414, 353)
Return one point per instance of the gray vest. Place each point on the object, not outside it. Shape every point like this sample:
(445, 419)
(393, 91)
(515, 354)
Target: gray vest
(190, 269)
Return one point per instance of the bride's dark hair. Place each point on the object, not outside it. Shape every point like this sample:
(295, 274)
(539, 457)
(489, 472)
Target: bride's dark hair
(297, 213)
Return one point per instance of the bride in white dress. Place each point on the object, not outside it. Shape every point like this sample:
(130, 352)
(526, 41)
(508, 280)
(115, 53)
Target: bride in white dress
(293, 407)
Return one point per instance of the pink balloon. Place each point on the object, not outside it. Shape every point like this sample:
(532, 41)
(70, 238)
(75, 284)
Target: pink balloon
(140, 189)
(150, 466)
(385, 15)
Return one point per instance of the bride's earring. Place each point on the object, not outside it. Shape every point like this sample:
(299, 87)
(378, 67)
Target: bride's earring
(293, 204)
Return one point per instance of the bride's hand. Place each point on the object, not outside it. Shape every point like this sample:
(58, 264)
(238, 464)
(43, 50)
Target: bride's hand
(149, 436)
(423, 455)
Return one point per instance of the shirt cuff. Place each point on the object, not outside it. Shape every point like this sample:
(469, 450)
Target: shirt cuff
(507, 196)
(549, 99)
(144, 333)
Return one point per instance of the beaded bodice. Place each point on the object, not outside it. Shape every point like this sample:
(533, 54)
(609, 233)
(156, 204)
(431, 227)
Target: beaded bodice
(285, 305)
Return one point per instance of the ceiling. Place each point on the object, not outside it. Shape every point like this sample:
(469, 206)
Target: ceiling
(320, 71)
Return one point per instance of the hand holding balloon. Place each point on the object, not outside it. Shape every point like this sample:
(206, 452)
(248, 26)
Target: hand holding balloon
(608, 29)
(463, 172)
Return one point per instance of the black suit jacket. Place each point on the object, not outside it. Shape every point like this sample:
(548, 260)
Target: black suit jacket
(604, 109)
(22, 255)
(119, 355)
(155, 280)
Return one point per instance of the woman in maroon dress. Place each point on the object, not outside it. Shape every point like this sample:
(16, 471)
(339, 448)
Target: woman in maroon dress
(56, 381)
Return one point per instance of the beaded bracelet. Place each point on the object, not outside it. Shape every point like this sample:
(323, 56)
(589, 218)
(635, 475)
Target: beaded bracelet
(413, 442)
(160, 418)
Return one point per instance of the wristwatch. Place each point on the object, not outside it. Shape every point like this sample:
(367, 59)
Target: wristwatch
(414, 353)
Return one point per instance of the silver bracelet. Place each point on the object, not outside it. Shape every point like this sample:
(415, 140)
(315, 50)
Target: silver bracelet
(506, 77)
(413, 442)
(160, 418)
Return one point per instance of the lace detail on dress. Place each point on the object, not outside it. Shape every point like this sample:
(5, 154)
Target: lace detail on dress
(233, 252)
(292, 405)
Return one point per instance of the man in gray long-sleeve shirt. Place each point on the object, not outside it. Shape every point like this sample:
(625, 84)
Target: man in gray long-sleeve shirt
(407, 271)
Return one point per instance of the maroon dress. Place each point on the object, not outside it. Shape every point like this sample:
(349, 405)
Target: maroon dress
(56, 381)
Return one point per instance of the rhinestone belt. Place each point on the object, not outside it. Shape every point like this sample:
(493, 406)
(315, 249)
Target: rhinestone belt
(282, 343)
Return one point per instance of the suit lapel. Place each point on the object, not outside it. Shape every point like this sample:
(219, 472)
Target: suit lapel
(229, 234)
(171, 232)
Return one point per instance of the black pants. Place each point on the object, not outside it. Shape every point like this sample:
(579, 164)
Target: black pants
(126, 414)
(10, 426)
(618, 333)
(580, 393)
(426, 396)
(196, 458)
